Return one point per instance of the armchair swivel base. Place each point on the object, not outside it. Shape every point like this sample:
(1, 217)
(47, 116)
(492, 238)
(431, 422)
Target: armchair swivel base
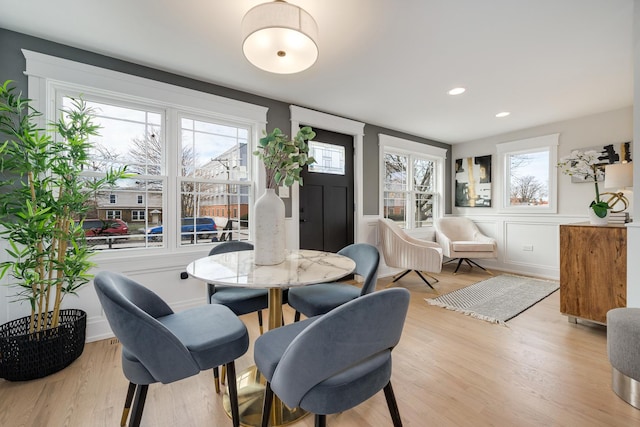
(420, 274)
(471, 263)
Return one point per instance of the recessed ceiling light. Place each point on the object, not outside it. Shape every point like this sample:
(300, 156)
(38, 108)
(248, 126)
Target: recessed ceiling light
(457, 91)
(503, 114)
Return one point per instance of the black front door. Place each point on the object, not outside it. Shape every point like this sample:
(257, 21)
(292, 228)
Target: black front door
(327, 197)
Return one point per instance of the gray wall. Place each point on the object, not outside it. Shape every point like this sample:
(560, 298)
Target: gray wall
(12, 66)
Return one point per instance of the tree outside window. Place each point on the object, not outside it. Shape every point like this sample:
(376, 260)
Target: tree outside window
(529, 179)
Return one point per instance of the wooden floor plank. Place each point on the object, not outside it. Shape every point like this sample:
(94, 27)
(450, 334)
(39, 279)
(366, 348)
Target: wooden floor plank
(448, 370)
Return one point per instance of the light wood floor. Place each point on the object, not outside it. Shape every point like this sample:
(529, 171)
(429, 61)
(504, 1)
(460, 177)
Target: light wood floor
(449, 370)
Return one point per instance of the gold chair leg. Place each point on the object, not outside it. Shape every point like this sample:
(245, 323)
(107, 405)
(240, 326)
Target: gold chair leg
(223, 374)
(216, 379)
(127, 404)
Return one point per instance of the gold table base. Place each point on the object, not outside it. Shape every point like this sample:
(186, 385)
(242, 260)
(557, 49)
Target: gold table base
(251, 384)
(251, 387)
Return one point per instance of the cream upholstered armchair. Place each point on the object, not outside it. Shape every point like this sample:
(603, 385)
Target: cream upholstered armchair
(461, 239)
(403, 251)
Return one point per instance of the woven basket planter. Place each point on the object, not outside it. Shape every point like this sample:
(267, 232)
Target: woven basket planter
(25, 356)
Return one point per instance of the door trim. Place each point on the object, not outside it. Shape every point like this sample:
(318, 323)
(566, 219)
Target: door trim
(334, 124)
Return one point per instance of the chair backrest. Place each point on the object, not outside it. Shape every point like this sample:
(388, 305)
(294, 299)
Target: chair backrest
(390, 235)
(131, 310)
(341, 339)
(224, 247)
(457, 228)
(367, 258)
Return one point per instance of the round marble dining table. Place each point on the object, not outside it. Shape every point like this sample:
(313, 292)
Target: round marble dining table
(300, 268)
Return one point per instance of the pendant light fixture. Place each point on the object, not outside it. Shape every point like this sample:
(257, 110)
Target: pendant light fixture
(279, 37)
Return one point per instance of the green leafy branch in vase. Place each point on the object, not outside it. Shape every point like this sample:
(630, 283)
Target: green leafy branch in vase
(285, 158)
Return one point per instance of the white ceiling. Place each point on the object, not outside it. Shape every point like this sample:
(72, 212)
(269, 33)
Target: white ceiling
(384, 62)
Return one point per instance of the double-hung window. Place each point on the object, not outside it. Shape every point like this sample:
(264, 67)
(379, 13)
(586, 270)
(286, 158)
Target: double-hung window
(412, 178)
(529, 175)
(187, 153)
(214, 179)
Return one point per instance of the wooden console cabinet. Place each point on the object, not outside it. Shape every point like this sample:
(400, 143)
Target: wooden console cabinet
(593, 270)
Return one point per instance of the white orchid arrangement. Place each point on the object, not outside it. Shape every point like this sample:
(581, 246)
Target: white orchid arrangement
(585, 166)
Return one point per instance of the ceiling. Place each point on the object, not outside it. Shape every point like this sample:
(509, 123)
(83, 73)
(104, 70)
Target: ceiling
(388, 63)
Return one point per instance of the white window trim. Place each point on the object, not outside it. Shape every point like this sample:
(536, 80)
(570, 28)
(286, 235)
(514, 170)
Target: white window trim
(406, 146)
(47, 74)
(549, 142)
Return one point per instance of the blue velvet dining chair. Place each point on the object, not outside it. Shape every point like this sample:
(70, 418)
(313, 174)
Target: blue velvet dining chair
(331, 363)
(319, 299)
(239, 300)
(159, 345)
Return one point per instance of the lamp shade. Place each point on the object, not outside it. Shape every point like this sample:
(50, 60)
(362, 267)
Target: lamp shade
(280, 38)
(618, 175)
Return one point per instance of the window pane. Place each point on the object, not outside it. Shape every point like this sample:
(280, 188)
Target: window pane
(423, 211)
(395, 207)
(329, 158)
(213, 151)
(423, 175)
(395, 172)
(528, 178)
(127, 136)
(213, 210)
(144, 223)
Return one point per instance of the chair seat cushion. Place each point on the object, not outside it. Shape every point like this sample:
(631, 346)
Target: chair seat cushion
(269, 348)
(244, 300)
(241, 300)
(212, 333)
(321, 298)
(471, 246)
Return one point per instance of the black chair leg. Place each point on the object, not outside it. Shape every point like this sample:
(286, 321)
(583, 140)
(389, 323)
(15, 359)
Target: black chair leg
(470, 261)
(266, 405)
(296, 317)
(233, 393)
(458, 266)
(260, 321)
(396, 278)
(127, 404)
(321, 420)
(425, 280)
(138, 405)
(393, 406)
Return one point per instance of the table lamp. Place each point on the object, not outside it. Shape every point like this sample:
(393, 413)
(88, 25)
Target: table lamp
(618, 176)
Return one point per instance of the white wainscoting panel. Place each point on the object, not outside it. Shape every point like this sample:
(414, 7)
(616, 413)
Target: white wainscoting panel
(531, 244)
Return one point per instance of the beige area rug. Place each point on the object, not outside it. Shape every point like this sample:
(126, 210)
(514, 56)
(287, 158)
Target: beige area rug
(497, 299)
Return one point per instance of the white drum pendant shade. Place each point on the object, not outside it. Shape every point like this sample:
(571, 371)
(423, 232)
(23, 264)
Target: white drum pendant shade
(279, 37)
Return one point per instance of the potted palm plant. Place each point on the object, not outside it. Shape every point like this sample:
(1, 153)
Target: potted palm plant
(43, 199)
(283, 160)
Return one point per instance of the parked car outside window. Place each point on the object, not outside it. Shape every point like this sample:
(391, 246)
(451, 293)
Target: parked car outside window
(202, 227)
(108, 227)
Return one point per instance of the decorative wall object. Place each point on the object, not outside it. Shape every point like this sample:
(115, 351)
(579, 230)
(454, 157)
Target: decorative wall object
(473, 181)
(608, 154)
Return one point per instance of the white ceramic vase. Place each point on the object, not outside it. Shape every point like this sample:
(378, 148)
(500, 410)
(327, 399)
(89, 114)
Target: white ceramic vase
(269, 237)
(596, 220)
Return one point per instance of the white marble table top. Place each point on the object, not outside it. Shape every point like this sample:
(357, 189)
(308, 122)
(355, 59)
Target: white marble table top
(300, 267)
